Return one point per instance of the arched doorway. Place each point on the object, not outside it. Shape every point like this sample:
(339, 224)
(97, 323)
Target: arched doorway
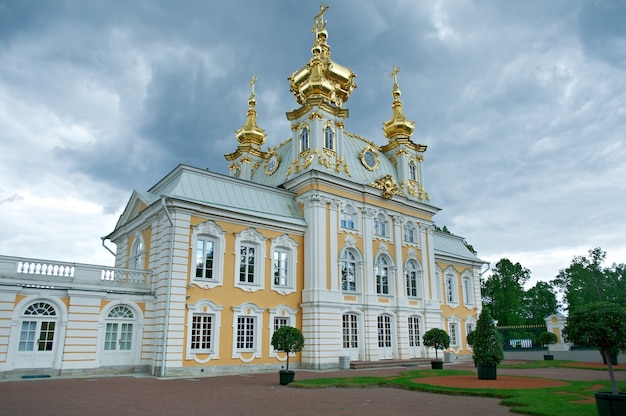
(37, 336)
(119, 337)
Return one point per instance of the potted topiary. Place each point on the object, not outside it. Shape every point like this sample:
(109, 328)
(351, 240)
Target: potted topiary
(545, 339)
(289, 340)
(602, 325)
(439, 340)
(487, 347)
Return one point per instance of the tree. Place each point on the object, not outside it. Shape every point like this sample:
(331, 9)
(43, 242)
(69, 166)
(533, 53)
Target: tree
(539, 302)
(436, 338)
(586, 281)
(503, 292)
(601, 325)
(288, 339)
(486, 342)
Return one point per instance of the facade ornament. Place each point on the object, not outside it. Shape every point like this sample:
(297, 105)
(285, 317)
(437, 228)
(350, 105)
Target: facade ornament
(388, 185)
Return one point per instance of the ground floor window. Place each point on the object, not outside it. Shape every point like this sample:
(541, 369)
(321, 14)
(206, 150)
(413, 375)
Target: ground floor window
(350, 331)
(414, 331)
(201, 332)
(384, 331)
(246, 326)
(38, 328)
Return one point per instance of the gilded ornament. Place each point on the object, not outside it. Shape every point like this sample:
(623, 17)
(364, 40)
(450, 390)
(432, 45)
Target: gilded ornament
(388, 185)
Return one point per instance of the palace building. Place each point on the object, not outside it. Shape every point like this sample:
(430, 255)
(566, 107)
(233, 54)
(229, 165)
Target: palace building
(328, 231)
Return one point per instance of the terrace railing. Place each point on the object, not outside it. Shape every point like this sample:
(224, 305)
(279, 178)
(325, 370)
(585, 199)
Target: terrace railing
(28, 272)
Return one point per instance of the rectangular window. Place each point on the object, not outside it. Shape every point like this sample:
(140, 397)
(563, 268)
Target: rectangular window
(350, 333)
(246, 264)
(453, 335)
(467, 291)
(245, 333)
(379, 228)
(347, 221)
(204, 259)
(450, 289)
(414, 331)
(279, 322)
(280, 268)
(201, 332)
(110, 337)
(46, 336)
(27, 336)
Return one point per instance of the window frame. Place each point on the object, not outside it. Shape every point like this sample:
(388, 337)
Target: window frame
(356, 260)
(383, 263)
(414, 331)
(382, 226)
(304, 138)
(208, 231)
(468, 289)
(349, 216)
(248, 310)
(451, 287)
(250, 238)
(203, 308)
(329, 139)
(410, 229)
(137, 258)
(350, 330)
(288, 246)
(417, 270)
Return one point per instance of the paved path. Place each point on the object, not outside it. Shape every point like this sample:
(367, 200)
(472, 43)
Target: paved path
(253, 394)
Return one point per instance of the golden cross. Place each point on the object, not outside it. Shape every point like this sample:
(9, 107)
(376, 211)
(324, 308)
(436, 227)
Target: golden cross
(252, 82)
(319, 19)
(393, 74)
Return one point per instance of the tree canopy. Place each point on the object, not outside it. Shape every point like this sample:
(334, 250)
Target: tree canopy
(503, 292)
(586, 281)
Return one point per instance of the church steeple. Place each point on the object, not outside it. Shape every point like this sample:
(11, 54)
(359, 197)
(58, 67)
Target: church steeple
(251, 137)
(398, 127)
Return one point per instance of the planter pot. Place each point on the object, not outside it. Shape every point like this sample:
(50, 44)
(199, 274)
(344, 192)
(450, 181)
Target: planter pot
(609, 404)
(548, 357)
(486, 373)
(436, 365)
(286, 377)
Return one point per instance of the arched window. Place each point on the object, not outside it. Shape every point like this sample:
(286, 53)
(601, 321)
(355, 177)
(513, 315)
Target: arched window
(412, 170)
(349, 217)
(348, 271)
(118, 334)
(304, 139)
(137, 254)
(381, 270)
(329, 139)
(381, 226)
(412, 275)
(410, 232)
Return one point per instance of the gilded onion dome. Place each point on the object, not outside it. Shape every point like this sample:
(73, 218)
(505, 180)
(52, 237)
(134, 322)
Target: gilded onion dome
(322, 78)
(398, 126)
(250, 136)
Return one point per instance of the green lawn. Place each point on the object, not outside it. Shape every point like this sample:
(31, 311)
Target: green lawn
(554, 401)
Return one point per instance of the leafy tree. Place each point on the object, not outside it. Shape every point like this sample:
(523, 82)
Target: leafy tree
(288, 339)
(539, 302)
(586, 281)
(436, 338)
(503, 292)
(601, 325)
(486, 341)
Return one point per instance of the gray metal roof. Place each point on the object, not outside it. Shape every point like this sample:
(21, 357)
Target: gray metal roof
(452, 245)
(197, 185)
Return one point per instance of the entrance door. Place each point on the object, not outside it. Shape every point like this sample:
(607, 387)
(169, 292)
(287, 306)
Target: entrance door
(36, 347)
(118, 337)
(351, 336)
(384, 337)
(415, 341)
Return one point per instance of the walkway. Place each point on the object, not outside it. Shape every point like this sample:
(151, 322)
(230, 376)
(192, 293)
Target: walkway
(253, 394)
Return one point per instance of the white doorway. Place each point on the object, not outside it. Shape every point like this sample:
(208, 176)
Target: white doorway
(385, 350)
(37, 344)
(119, 337)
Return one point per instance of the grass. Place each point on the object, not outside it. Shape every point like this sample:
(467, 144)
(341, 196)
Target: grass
(575, 399)
(561, 364)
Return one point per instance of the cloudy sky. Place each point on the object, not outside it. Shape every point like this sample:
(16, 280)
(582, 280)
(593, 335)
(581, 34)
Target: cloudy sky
(522, 106)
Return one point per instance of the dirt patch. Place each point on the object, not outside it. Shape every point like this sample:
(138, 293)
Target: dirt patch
(502, 382)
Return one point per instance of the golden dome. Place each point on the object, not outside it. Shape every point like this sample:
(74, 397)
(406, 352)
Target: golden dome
(321, 78)
(398, 126)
